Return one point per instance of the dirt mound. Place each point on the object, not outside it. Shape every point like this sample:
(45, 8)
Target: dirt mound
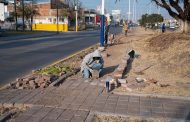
(164, 41)
(173, 53)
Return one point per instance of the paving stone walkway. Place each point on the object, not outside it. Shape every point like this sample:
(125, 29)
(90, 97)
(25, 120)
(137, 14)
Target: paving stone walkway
(75, 99)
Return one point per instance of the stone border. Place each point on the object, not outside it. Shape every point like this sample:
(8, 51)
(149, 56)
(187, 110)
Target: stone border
(91, 116)
(6, 116)
(152, 95)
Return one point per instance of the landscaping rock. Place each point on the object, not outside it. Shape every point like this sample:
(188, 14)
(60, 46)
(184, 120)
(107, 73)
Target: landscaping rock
(18, 84)
(31, 82)
(122, 81)
(139, 80)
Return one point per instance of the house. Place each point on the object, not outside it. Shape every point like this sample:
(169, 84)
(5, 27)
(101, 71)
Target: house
(46, 19)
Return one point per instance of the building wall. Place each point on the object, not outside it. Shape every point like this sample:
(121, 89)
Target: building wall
(2, 12)
(46, 14)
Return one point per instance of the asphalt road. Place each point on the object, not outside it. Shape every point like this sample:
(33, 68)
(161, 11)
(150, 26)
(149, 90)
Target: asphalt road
(21, 54)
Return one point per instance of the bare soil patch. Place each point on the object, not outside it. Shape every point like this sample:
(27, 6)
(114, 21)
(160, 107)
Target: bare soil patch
(162, 60)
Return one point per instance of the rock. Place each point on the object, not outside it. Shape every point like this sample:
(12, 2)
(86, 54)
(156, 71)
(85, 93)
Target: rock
(139, 80)
(31, 82)
(34, 86)
(62, 73)
(30, 78)
(44, 85)
(46, 77)
(21, 87)
(122, 81)
(18, 84)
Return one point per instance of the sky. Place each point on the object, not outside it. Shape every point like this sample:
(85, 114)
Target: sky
(143, 6)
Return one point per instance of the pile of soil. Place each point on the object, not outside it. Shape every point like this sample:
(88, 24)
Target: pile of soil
(173, 53)
(164, 41)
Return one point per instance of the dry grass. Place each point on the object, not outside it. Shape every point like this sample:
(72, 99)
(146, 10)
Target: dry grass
(168, 56)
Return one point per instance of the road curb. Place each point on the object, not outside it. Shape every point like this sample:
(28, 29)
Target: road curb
(72, 55)
(153, 95)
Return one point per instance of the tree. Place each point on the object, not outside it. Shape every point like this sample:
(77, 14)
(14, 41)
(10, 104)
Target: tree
(150, 19)
(178, 9)
(29, 12)
(153, 18)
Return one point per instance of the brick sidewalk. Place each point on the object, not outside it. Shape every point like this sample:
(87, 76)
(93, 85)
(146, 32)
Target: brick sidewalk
(74, 99)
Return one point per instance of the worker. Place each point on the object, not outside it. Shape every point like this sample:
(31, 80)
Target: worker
(125, 28)
(92, 65)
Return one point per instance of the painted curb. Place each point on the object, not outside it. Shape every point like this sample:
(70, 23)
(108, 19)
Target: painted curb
(72, 55)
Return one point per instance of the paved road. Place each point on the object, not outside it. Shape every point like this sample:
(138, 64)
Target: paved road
(21, 54)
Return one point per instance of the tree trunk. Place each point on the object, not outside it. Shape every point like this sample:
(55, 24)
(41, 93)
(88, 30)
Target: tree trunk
(31, 23)
(185, 26)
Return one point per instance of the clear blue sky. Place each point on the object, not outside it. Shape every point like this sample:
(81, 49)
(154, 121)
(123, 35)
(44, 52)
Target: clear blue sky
(143, 6)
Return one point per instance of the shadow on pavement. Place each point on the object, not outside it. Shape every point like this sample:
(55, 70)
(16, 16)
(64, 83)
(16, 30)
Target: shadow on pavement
(108, 70)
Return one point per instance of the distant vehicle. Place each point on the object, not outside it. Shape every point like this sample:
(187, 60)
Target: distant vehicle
(172, 26)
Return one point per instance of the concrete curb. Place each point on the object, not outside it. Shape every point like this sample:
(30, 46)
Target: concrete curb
(152, 95)
(130, 116)
(72, 55)
(6, 116)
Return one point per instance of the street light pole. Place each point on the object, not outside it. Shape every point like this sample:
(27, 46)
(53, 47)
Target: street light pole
(57, 16)
(102, 26)
(76, 19)
(23, 15)
(129, 10)
(15, 15)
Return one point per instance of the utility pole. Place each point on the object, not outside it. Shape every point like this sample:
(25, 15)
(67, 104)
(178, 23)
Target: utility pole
(129, 10)
(133, 11)
(76, 18)
(15, 15)
(32, 17)
(102, 26)
(89, 16)
(57, 16)
(23, 24)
